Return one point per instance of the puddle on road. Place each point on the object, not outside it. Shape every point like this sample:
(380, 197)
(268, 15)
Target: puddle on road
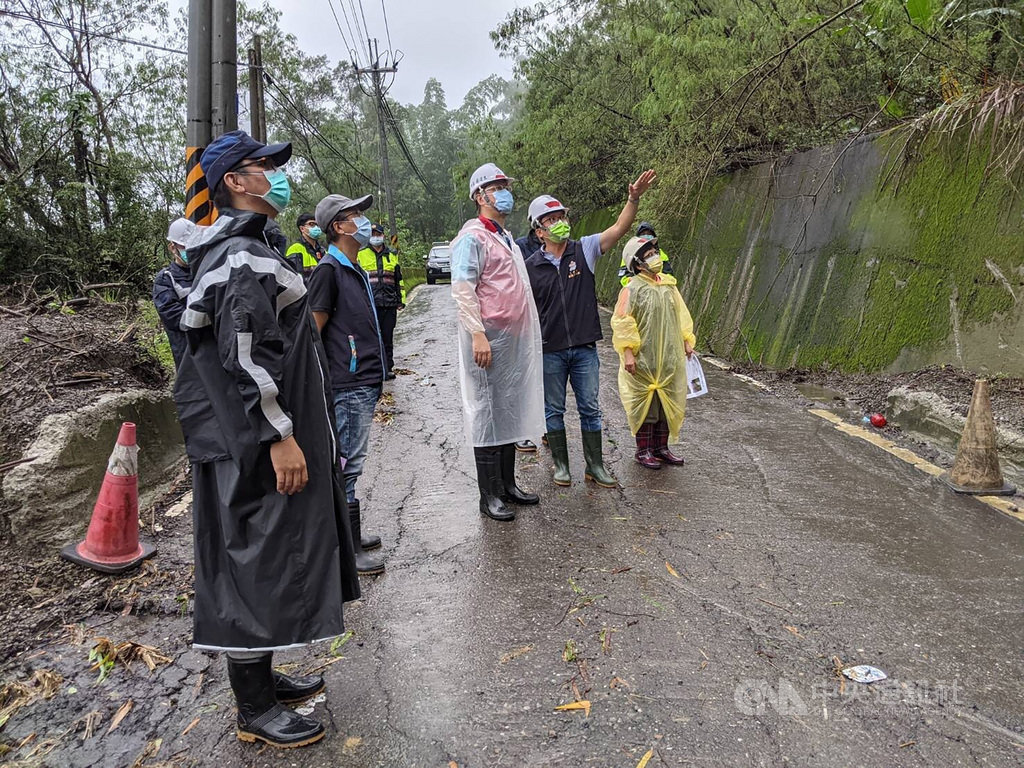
(819, 393)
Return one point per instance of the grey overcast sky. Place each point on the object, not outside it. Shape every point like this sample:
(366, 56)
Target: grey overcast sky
(445, 39)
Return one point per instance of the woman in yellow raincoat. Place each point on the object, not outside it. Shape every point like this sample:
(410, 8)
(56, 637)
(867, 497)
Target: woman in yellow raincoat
(653, 333)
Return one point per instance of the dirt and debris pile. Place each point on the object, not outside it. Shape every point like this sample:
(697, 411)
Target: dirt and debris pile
(56, 359)
(869, 391)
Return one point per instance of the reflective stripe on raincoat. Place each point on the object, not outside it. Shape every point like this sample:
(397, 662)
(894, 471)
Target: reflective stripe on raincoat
(505, 402)
(652, 320)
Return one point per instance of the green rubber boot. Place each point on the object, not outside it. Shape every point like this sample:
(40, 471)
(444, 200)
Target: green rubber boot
(560, 453)
(595, 461)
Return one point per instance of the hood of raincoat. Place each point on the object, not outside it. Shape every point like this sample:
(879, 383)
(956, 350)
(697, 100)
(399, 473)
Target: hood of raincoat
(231, 222)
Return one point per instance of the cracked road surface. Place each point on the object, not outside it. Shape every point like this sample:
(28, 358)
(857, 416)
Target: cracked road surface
(702, 611)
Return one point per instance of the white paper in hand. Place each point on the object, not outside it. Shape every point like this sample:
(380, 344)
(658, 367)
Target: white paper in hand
(696, 384)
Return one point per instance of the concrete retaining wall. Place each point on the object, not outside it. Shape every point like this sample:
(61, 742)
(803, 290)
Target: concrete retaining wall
(50, 500)
(826, 258)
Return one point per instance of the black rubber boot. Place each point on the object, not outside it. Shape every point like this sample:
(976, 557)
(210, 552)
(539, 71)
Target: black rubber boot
(367, 563)
(488, 478)
(513, 493)
(366, 542)
(291, 689)
(560, 454)
(260, 716)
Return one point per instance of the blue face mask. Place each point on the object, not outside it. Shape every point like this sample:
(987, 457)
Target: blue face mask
(183, 255)
(315, 232)
(503, 201)
(280, 192)
(363, 231)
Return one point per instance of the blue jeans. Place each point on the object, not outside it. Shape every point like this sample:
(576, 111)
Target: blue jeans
(581, 366)
(353, 415)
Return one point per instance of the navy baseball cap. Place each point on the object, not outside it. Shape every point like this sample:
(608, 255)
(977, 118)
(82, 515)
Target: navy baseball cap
(229, 149)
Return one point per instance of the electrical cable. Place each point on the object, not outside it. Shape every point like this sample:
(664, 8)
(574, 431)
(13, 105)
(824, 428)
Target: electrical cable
(354, 34)
(408, 155)
(366, 29)
(366, 40)
(89, 32)
(387, 30)
(282, 98)
(344, 39)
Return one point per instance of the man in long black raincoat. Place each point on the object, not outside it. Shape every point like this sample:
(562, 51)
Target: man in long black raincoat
(273, 550)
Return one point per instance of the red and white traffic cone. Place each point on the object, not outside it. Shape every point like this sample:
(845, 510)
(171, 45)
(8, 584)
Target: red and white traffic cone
(111, 544)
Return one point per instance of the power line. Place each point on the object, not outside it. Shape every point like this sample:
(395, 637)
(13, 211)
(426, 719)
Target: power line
(340, 30)
(405, 151)
(366, 39)
(89, 32)
(354, 33)
(362, 12)
(282, 99)
(387, 30)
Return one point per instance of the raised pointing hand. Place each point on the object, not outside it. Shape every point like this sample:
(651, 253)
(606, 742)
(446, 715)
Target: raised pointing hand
(642, 184)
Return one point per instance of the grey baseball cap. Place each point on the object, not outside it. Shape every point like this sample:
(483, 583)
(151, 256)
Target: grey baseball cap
(329, 208)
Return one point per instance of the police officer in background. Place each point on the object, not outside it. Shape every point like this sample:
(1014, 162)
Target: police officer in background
(172, 284)
(385, 275)
(307, 252)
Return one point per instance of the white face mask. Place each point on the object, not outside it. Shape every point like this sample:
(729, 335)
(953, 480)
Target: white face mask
(376, 240)
(653, 262)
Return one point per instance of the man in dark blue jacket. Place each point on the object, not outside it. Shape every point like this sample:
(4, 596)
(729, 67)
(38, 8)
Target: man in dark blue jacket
(342, 302)
(172, 284)
(563, 285)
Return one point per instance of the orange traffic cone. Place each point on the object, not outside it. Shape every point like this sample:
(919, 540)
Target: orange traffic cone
(976, 469)
(112, 542)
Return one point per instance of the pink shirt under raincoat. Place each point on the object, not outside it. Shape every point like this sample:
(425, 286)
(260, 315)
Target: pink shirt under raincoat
(505, 402)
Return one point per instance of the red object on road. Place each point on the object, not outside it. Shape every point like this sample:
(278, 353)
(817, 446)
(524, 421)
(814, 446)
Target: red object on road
(111, 544)
(878, 420)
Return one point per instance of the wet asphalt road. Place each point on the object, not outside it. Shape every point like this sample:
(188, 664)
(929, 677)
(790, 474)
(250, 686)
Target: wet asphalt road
(701, 611)
(795, 546)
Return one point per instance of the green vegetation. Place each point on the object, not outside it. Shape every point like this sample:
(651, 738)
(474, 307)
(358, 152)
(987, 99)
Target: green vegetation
(92, 140)
(713, 95)
(694, 88)
(153, 338)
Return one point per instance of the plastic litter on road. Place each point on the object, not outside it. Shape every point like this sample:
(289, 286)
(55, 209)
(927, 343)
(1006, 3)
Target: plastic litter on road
(862, 673)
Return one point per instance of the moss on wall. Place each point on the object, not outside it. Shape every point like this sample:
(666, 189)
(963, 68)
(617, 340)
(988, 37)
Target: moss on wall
(826, 259)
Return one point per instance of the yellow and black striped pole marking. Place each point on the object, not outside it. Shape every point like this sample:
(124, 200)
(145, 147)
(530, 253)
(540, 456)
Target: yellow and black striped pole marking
(198, 207)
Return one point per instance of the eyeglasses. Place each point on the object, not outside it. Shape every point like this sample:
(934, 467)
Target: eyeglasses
(263, 163)
(494, 186)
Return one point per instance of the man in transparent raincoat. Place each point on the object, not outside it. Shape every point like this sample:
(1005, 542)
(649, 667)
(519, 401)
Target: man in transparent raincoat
(500, 363)
(653, 333)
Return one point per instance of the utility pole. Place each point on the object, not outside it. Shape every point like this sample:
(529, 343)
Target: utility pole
(212, 94)
(376, 74)
(225, 66)
(198, 126)
(257, 107)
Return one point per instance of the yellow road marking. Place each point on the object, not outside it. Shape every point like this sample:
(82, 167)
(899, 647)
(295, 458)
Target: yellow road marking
(999, 503)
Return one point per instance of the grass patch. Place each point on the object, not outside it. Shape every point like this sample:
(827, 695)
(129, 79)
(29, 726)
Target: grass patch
(152, 336)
